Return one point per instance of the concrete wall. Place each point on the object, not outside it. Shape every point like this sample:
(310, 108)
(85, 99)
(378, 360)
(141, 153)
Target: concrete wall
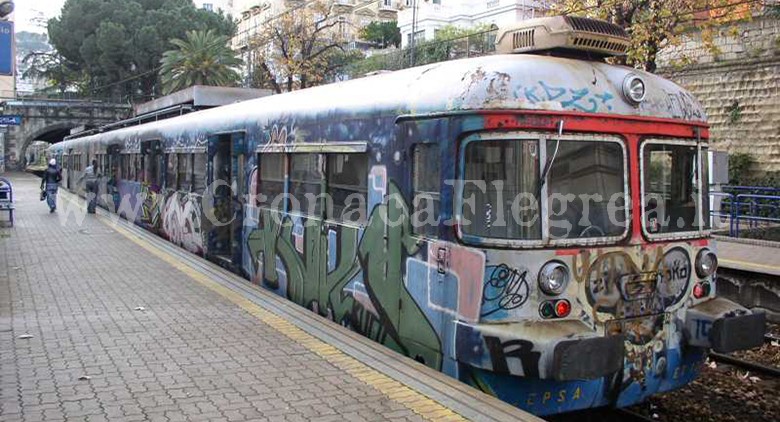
(739, 86)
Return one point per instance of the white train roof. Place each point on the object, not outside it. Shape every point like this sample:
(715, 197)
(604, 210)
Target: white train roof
(496, 82)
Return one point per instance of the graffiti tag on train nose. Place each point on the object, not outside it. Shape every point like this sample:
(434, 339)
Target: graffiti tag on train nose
(506, 288)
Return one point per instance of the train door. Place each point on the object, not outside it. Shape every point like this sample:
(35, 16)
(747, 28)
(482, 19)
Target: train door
(430, 296)
(69, 169)
(151, 176)
(226, 167)
(112, 174)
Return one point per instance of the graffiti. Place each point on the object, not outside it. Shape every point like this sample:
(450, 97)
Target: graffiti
(506, 288)
(579, 99)
(132, 145)
(702, 331)
(151, 207)
(682, 105)
(674, 274)
(394, 318)
(181, 222)
(502, 354)
(617, 285)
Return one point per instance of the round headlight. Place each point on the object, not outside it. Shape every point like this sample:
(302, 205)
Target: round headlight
(634, 89)
(706, 263)
(553, 278)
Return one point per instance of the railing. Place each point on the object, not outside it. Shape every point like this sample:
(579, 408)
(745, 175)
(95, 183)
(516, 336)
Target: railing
(426, 52)
(746, 207)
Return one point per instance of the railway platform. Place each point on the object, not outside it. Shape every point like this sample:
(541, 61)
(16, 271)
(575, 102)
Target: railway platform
(100, 320)
(756, 256)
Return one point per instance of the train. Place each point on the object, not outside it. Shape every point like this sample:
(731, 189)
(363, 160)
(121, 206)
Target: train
(533, 222)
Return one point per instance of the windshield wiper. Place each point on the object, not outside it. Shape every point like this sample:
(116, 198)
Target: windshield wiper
(549, 163)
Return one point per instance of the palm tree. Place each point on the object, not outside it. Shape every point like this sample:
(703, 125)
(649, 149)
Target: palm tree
(204, 58)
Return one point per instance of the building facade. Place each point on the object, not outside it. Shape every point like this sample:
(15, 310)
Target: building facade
(352, 16)
(422, 19)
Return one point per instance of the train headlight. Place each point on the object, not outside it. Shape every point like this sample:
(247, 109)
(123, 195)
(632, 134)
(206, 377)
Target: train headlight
(634, 89)
(706, 263)
(553, 278)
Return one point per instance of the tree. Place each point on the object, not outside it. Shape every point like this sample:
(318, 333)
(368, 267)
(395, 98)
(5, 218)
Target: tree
(654, 24)
(383, 34)
(204, 58)
(51, 67)
(116, 45)
(300, 48)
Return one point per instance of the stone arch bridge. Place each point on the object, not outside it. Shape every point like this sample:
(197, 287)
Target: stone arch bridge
(49, 121)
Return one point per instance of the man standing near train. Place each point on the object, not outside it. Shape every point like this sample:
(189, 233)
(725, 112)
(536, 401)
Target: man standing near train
(50, 183)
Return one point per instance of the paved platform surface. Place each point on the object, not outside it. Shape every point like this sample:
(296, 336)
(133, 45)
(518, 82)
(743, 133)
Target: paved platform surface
(749, 255)
(105, 322)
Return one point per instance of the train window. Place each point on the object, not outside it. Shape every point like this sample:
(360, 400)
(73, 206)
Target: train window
(171, 171)
(347, 187)
(184, 171)
(426, 185)
(306, 180)
(584, 179)
(271, 182)
(671, 181)
(500, 190)
(199, 167)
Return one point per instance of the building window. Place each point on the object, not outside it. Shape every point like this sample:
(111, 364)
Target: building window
(208, 6)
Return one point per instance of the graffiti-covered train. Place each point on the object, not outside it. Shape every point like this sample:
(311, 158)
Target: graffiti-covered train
(533, 223)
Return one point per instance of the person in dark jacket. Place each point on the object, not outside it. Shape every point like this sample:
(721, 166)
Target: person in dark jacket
(50, 182)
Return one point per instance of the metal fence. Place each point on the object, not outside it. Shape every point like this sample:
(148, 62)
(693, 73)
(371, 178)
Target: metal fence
(427, 52)
(746, 207)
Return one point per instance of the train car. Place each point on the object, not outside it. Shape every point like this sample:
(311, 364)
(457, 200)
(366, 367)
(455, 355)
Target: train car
(533, 223)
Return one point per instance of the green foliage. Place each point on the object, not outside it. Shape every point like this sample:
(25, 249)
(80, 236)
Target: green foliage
(51, 67)
(383, 34)
(469, 43)
(116, 45)
(735, 112)
(204, 58)
(739, 168)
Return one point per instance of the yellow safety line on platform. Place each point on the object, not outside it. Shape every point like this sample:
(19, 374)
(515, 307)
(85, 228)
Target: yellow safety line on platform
(394, 390)
(750, 264)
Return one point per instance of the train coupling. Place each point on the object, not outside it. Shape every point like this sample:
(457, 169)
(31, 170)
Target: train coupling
(724, 326)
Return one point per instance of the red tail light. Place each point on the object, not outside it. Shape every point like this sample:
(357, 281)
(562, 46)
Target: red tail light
(562, 308)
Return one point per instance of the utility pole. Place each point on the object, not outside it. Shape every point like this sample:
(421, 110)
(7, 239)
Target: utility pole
(414, 30)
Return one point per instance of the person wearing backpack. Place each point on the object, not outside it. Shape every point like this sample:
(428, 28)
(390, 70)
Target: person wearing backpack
(49, 184)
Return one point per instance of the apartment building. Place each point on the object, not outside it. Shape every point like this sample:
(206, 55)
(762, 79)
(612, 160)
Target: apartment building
(421, 19)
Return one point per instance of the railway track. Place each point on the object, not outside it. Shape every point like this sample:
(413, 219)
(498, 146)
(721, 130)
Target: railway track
(748, 365)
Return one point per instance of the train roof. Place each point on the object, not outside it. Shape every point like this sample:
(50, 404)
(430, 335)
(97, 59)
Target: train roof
(496, 82)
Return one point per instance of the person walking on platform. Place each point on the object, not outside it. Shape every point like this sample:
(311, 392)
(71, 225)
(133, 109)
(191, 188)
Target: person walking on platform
(91, 176)
(50, 183)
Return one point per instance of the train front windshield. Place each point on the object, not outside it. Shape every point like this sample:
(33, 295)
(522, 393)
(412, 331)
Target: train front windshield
(582, 181)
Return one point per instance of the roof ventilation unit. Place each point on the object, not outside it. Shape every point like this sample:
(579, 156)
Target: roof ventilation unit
(564, 34)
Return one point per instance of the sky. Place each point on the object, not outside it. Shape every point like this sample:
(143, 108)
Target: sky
(26, 11)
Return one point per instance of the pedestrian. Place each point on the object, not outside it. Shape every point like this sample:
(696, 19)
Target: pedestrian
(50, 183)
(91, 177)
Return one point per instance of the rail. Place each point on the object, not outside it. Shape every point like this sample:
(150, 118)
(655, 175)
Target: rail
(746, 207)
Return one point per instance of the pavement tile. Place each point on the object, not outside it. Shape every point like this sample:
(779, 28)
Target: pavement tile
(190, 355)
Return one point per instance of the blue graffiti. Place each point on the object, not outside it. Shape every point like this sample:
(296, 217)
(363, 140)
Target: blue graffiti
(581, 99)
